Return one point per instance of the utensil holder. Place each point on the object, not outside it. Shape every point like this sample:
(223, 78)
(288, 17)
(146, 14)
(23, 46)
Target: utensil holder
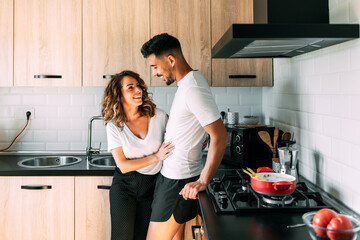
(232, 117)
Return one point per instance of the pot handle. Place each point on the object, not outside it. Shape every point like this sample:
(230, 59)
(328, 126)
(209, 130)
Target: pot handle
(264, 169)
(282, 186)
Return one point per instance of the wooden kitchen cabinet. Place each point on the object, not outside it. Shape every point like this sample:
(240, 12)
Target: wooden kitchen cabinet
(197, 221)
(189, 21)
(92, 208)
(113, 33)
(37, 208)
(223, 14)
(6, 43)
(56, 208)
(47, 43)
(83, 41)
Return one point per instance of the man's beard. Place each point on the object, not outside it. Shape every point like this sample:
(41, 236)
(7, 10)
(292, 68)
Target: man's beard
(170, 81)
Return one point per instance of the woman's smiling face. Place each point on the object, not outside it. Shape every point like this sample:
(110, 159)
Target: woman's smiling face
(131, 91)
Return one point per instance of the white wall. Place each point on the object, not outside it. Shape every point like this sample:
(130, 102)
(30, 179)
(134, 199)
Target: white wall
(62, 114)
(317, 96)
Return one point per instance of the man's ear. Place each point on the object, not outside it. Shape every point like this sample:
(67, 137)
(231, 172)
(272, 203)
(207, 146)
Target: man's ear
(171, 60)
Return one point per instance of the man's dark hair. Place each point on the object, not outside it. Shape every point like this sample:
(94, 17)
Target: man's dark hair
(160, 44)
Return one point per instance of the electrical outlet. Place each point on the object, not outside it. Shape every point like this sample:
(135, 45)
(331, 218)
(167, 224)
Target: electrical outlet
(20, 113)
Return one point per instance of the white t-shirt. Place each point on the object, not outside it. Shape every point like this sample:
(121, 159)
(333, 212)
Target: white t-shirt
(134, 147)
(193, 108)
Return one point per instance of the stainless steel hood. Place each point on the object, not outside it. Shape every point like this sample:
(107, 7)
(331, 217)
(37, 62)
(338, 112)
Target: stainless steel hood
(280, 40)
(284, 32)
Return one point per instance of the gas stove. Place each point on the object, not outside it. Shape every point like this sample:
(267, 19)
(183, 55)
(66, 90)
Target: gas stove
(231, 193)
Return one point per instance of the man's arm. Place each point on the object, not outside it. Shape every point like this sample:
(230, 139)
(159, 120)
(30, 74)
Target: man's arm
(218, 140)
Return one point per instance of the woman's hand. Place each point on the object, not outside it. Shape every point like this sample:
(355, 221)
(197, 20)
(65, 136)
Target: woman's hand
(205, 143)
(164, 151)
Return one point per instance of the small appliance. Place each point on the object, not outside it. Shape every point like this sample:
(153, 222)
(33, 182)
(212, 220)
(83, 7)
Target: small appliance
(245, 148)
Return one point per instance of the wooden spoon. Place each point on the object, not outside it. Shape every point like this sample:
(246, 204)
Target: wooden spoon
(286, 136)
(265, 136)
(276, 135)
(253, 174)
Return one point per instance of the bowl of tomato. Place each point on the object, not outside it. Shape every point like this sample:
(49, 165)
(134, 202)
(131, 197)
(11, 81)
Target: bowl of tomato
(326, 224)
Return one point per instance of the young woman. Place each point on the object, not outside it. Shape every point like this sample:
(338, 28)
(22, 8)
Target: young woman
(135, 132)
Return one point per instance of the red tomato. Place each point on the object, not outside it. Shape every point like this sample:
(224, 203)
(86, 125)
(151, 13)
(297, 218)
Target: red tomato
(340, 223)
(322, 219)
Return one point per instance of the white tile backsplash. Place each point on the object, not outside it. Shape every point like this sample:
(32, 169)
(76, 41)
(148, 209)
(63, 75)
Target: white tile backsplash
(57, 100)
(33, 99)
(327, 120)
(56, 124)
(10, 100)
(62, 114)
(45, 136)
(46, 112)
(350, 83)
(225, 99)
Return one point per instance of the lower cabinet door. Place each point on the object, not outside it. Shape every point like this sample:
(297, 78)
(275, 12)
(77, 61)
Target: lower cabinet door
(92, 208)
(194, 229)
(36, 208)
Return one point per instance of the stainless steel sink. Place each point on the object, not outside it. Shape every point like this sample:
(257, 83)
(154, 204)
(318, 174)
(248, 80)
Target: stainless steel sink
(48, 161)
(107, 162)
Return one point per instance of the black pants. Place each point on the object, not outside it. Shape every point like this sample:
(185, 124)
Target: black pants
(131, 195)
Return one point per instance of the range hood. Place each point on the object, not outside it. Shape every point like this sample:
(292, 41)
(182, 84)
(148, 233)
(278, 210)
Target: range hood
(283, 29)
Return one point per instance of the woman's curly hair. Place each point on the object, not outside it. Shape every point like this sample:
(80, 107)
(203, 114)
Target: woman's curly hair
(112, 108)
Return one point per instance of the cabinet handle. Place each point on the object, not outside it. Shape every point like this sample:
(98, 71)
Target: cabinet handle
(103, 187)
(47, 76)
(242, 76)
(196, 229)
(108, 76)
(35, 187)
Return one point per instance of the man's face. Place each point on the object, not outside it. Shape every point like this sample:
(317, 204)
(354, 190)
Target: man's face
(161, 67)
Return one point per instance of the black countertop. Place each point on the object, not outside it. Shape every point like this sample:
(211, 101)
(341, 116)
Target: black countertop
(9, 167)
(249, 226)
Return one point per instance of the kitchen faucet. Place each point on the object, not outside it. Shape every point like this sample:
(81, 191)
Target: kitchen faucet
(90, 150)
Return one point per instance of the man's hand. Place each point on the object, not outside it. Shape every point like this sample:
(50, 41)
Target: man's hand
(191, 189)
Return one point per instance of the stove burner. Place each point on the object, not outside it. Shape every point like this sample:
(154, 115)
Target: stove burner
(231, 192)
(244, 188)
(277, 200)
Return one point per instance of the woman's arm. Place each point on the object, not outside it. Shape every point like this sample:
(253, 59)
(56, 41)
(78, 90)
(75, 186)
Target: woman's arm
(126, 165)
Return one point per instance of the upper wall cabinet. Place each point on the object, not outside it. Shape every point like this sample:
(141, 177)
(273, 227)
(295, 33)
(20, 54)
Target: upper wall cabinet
(6, 43)
(114, 31)
(47, 43)
(189, 21)
(236, 72)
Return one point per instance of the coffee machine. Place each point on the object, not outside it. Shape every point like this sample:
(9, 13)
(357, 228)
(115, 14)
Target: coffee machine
(288, 159)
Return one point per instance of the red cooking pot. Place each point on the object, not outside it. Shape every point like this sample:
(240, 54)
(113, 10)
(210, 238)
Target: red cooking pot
(275, 184)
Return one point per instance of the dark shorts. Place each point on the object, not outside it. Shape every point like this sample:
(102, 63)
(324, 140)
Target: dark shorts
(167, 201)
